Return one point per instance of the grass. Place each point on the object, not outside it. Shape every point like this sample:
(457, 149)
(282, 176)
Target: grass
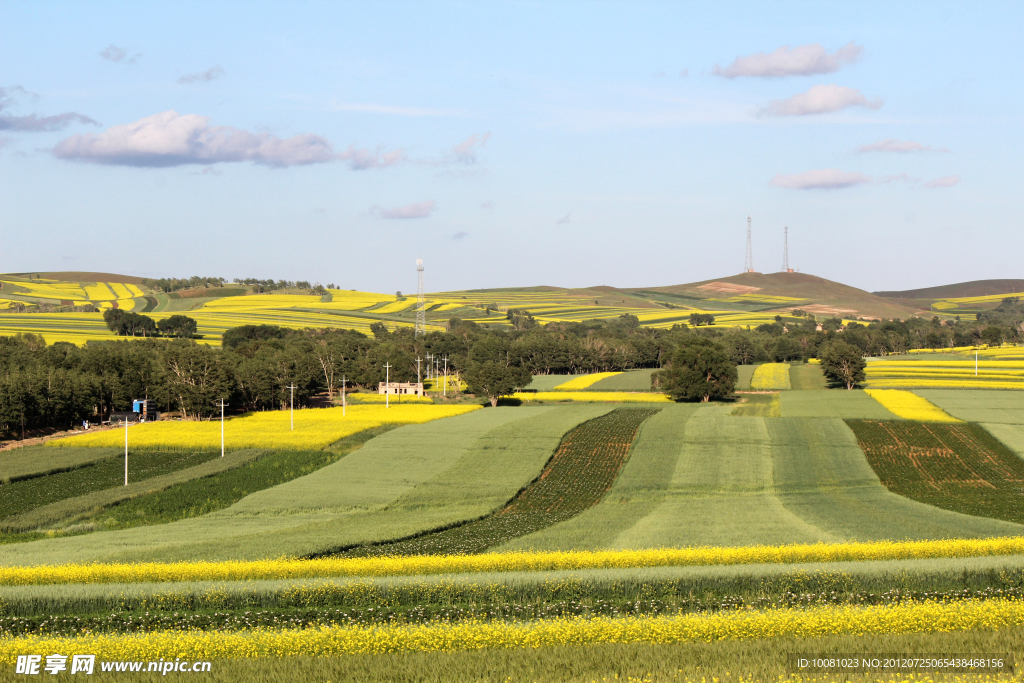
(699, 476)
(579, 473)
(806, 376)
(1006, 407)
(548, 382)
(631, 380)
(745, 374)
(35, 461)
(80, 513)
(759, 405)
(770, 377)
(21, 496)
(415, 478)
(585, 381)
(854, 404)
(959, 467)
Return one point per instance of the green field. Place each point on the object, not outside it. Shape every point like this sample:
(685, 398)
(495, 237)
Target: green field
(805, 376)
(411, 479)
(854, 405)
(631, 380)
(978, 405)
(699, 476)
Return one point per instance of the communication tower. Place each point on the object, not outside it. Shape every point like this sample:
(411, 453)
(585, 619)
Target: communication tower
(785, 251)
(749, 266)
(421, 302)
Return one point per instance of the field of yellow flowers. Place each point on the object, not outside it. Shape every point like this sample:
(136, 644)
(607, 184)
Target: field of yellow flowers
(314, 428)
(287, 568)
(450, 637)
(770, 377)
(910, 406)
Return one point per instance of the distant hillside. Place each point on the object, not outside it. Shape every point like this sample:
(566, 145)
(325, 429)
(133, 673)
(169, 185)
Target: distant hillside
(961, 289)
(786, 291)
(75, 276)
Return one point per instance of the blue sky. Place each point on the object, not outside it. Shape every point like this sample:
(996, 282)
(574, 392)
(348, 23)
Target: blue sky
(513, 144)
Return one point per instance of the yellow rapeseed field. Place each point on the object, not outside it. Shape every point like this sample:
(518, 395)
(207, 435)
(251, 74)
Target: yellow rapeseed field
(594, 396)
(355, 399)
(910, 406)
(285, 568)
(325, 641)
(314, 428)
(584, 381)
(770, 376)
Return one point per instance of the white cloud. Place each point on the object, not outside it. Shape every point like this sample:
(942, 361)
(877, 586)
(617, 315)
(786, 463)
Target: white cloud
(173, 139)
(363, 159)
(894, 145)
(564, 220)
(211, 74)
(465, 152)
(419, 210)
(34, 123)
(824, 179)
(944, 181)
(820, 99)
(803, 60)
(459, 235)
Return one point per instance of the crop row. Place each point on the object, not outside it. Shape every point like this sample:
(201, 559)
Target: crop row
(449, 637)
(959, 467)
(576, 477)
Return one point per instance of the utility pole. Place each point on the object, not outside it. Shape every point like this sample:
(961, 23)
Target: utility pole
(343, 400)
(418, 380)
(221, 427)
(293, 388)
(387, 383)
(429, 363)
(126, 450)
(748, 267)
(446, 375)
(421, 302)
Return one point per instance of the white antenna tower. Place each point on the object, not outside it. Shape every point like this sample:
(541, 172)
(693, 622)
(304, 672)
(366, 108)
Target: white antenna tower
(785, 251)
(749, 266)
(421, 302)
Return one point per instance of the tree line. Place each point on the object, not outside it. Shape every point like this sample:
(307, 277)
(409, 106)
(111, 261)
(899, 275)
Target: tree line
(61, 384)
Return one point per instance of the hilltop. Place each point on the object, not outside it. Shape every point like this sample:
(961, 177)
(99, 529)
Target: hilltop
(783, 292)
(959, 290)
(80, 276)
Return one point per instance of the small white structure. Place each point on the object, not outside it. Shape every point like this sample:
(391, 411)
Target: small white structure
(401, 388)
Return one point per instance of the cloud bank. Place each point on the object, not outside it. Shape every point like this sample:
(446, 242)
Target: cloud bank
(901, 146)
(803, 60)
(34, 123)
(820, 99)
(211, 74)
(944, 181)
(173, 139)
(824, 179)
(418, 210)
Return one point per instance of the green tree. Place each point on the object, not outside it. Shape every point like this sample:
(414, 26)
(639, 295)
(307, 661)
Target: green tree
(700, 371)
(492, 373)
(178, 326)
(843, 363)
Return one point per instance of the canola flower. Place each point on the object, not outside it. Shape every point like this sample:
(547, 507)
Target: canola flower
(910, 406)
(593, 396)
(925, 383)
(355, 399)
(314, 428)
(326, 641)
(584, 381)
(286, 568)
(770, 376)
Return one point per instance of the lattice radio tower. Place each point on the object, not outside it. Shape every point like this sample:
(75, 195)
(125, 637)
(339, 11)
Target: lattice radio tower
(421, 302)
(785, 250)
(749, 266)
